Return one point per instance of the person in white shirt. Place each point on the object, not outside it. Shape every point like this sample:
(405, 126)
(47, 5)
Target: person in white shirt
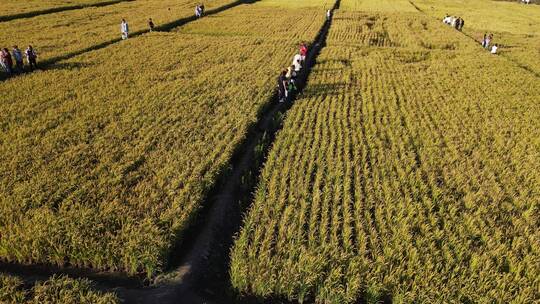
(297, 62)
(494, 49)
(328, 14)
(446, 19)
(124, 28)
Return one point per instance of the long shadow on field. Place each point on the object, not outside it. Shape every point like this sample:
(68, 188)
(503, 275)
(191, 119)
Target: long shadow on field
(58, 9)
(522, 66)
(105, 279)
(201, 264)
(50, 63)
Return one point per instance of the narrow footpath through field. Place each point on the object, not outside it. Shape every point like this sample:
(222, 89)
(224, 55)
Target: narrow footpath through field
(200, 271)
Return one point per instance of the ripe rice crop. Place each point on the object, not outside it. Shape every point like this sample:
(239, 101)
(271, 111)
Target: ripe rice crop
(60, 34)
(106, 158)
(15, 7)
(405, 173)
(515, 26)
(58, 290)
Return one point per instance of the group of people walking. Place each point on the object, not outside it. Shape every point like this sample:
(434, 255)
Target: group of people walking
(287, 79)
(199, 10)
(455, 22)
(12, 62)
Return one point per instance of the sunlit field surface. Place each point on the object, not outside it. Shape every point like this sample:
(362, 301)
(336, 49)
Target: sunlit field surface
(406, 172)
(106, 158)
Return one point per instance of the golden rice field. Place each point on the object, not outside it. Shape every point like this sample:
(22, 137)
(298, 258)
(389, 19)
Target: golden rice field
(515, 26)
(58, 289)
(16, 7)
(60, 34)
(106, 158)
(408, 172)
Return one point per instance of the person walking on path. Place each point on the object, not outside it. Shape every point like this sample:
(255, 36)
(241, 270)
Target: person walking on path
(297, 63)
(328, 15)
(6, 61)
(198, 11)
(303, 52)
(124, 28)
(18, 56)
(31, 56)
(282, 86)
(151, 25)
(202, 9)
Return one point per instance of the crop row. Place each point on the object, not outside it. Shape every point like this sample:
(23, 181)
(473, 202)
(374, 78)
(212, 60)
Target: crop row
(404, 173)
(58, 289)
(106, 159)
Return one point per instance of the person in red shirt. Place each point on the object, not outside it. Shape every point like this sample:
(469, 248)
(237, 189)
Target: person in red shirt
(303, 51)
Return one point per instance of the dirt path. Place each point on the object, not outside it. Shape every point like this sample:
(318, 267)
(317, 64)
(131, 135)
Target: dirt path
(200, 274)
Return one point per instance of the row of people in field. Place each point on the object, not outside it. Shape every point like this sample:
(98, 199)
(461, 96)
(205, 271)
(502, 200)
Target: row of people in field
(455, 22)
(124, 26)
(12, 62)
(287, 79)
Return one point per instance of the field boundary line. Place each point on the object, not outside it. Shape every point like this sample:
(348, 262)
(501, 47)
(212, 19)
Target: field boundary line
(53, 10)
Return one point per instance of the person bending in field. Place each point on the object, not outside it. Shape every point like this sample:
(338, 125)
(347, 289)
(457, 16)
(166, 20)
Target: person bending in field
(282, 85)
(494, 49)
(31, 56)
(151, 25)
(18, 56)
(303, 52)
(297, 62)
(124, 28)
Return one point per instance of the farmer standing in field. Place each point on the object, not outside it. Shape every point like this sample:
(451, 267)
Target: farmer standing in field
(31, 56)
(124, 28)
(151, 24)
(18, 56)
